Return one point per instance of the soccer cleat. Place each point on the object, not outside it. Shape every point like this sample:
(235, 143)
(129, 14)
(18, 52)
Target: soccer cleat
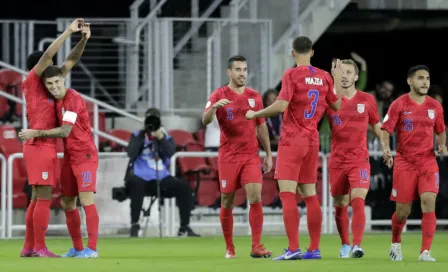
(230, 254)
(26, 253)
(289, 255)
(87, 253)
(72, 253)
(426, 257)
(357, 252)
(395, 252)
(345, 251)
(312, 255)
(45, 253)
(260, 252)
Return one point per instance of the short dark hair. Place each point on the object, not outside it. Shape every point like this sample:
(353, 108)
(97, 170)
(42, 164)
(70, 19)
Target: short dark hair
(416, 68)
(52, 71)
(235, 58)
(33, 59)
(267, 94)
(302, 45)
(152, 112)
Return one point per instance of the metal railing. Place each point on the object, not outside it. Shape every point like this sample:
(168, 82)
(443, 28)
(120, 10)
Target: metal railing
(3, 197)
(170, 207)
(325, 192)
(96, 104)
(7, 195)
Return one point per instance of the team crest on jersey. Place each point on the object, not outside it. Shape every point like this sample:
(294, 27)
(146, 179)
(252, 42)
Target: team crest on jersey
(251, 102)
(44, 175)
(223, 183)
(361, 108)
(431, 114)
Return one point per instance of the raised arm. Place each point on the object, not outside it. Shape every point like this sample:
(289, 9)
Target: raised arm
(47, 58)
(77, 51)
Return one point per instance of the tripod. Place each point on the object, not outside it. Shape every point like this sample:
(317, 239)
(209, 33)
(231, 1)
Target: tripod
(147, 212)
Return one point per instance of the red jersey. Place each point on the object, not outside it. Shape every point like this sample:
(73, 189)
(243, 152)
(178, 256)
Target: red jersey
(238, 140)
(308, 90)
(40, 108)
(415, 126)
(349, 129)
(78, 146)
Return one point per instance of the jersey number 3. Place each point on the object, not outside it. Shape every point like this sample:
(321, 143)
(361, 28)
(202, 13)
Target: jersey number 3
(314, 95)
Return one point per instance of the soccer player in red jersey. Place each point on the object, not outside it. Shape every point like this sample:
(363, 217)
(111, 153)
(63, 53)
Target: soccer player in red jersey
(78, 174)
(40, 154)
(239, 162)
(305, 93)
(349, 165)
(415, 117)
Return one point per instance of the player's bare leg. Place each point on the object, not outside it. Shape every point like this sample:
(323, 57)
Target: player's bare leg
(357, 197)
(73, 221)
(41, 218)
(314, 219)
(226, 218)
(291, 219)
(28, 246)
(402, 211)
(429, 222)
(92, 222)
(253, 192)
(342, 223)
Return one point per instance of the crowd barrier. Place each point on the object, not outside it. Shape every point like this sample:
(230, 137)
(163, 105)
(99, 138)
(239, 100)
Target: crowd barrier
(170, 223)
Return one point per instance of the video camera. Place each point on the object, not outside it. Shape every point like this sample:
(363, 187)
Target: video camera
(152, 123)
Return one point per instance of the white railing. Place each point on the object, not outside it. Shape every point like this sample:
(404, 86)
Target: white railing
(174, 224)
(3, 198)
(195, 27)
(7, 196)
(170, 210)
(96, 104)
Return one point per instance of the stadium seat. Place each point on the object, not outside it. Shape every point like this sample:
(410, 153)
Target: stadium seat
(181, 137)
(195, 169)
(4, 106)
(213, 162)
(122, 134)
(200, 136)
(208, 190)
(11, 82)
(10, 144)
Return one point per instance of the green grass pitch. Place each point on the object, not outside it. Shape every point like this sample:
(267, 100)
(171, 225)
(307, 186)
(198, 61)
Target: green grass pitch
(207, 254)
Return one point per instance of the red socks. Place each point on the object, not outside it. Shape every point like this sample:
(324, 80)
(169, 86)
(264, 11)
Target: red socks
(92, 221)
(314, 221)
(291, 219)
(73, 221)
(256, 222)
(397, 228)
(226, 218)
(41, 217)
(429, 222)
(29, 232)
(358, 220)
(342, 222)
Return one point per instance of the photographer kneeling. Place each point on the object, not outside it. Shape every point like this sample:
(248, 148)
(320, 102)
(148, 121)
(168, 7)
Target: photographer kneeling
(149, 149)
